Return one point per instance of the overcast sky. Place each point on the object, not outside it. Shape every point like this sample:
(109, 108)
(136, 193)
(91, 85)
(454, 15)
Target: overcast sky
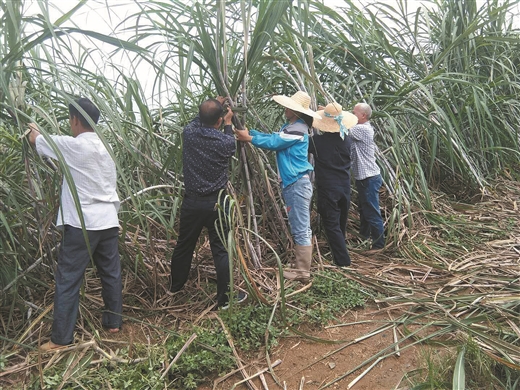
(104, 16)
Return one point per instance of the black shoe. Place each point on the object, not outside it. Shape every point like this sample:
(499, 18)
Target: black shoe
(240, 298)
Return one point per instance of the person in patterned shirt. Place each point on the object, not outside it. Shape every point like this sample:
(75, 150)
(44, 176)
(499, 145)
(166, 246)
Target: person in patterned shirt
(368, 176)
(205, 156)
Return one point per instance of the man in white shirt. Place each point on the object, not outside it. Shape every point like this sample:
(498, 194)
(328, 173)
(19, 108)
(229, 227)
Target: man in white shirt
(368, 176)
(86, 160)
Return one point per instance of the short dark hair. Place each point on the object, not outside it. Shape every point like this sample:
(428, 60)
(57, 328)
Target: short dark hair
(210, 111)
(90, 109)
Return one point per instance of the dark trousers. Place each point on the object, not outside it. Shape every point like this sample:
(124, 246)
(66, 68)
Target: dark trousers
(73, 260)
(333, 205)
(197, 213)
(371, 222)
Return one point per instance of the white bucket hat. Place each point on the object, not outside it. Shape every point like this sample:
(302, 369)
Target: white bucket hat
(298, 102)
(335, 120)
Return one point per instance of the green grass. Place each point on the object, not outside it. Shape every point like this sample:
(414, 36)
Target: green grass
(250, 327)
(330, 296)
(209, 356)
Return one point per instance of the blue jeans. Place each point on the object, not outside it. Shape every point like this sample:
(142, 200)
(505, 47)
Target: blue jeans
(297, 197)
(73, 260)
(371, 222)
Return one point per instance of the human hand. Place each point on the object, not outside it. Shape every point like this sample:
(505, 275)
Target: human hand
(228, 116)
(33, 132)
(320, 108)
(243, 135)
(222, 99)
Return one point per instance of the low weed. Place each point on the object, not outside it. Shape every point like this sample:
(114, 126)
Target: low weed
(436, 371)
(107, 375)
(207, 355)
(331, 294)
(248, 326)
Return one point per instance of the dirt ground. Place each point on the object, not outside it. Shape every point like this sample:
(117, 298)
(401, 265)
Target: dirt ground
(303, 365)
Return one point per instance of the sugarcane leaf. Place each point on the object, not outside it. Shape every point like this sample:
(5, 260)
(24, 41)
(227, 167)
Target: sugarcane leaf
(459, 374)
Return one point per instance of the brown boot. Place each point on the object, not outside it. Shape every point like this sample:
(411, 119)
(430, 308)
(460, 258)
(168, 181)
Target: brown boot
(301, 267)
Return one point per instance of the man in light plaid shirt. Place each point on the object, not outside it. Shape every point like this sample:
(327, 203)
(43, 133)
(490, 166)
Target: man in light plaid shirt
(367, 175)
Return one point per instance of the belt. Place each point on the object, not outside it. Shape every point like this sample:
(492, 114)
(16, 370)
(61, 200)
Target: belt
(213, 196)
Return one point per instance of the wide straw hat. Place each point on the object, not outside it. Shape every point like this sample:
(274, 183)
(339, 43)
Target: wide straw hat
(298, 102)
(335, 120)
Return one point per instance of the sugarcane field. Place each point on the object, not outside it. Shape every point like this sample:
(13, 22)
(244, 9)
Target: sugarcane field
(260, 195)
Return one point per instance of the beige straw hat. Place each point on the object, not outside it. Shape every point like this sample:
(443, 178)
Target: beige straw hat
(299, 102)
(335, 120)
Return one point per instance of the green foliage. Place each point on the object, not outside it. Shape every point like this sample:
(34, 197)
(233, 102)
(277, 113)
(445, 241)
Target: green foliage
(208, 354)
(424, 72)
(331, 294)
(142, 375)
(459, 374)
(249, 326)
(436, 374)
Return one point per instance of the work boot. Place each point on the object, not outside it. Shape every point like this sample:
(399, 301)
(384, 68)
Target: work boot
(301, 267)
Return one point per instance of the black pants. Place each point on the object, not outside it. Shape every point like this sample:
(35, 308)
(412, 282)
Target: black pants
(197, 213)
(333, 205)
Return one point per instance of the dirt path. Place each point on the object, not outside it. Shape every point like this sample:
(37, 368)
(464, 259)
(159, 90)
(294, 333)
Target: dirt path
(302, 360)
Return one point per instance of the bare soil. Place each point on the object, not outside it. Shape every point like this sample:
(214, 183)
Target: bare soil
(307, 364)
(303, 365)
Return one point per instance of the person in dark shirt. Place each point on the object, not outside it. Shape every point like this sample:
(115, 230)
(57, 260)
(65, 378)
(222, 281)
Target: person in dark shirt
(205, 156)
(331, 152)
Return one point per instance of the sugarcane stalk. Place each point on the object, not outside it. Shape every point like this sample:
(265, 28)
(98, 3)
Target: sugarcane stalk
(281, 222)
(240, 125)
(222, 71)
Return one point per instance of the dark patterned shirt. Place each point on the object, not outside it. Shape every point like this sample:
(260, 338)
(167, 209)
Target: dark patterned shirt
(205, 158)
